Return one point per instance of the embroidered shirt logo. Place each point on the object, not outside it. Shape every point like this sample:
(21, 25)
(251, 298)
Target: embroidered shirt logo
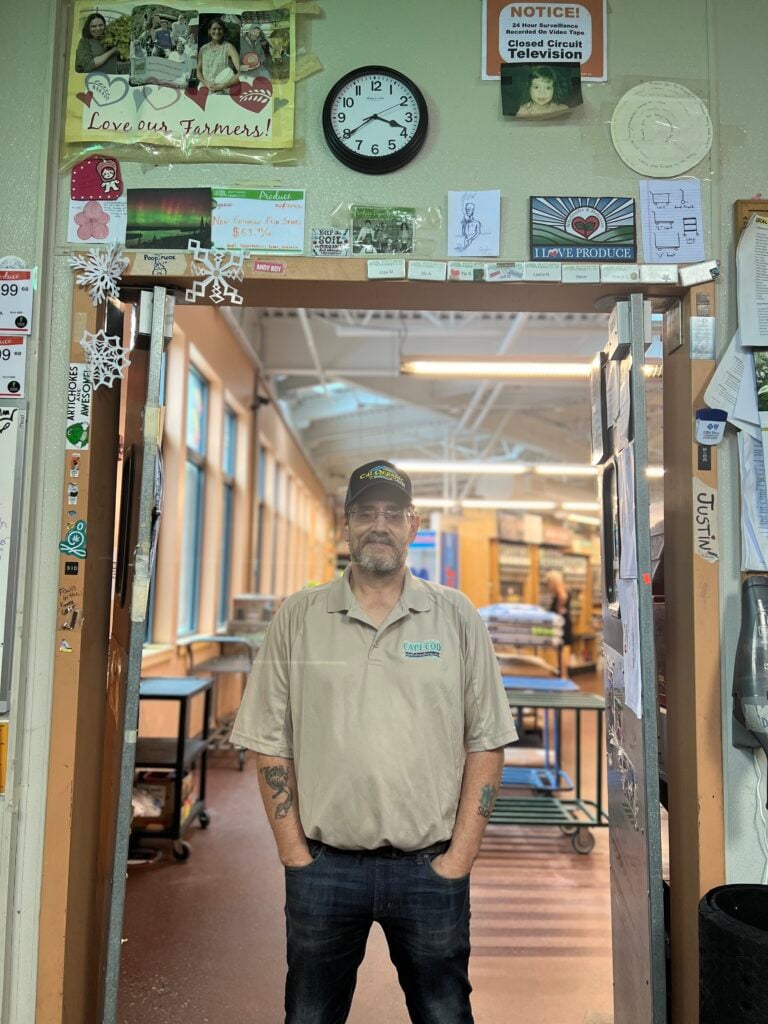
(422, 649)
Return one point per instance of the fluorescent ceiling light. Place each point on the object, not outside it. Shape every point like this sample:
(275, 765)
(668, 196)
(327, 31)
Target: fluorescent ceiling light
(458, 466)
(522, 505)
(468, 467)
(561, 469)
(495, 367)
(580, 506)
(585, 520)
(435, 502)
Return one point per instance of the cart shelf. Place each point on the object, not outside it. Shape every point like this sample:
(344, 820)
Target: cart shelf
(177, 753)
(163, 752)
(574, 816)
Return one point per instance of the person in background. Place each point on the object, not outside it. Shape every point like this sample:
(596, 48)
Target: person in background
(379, 719)
(179, 53)
(218, 61)
(161, 36)
(561, 604)
(545, 94)
(179, 29)
(91, 54)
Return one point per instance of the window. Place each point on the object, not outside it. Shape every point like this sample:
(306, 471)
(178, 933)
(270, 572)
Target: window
(276, 511)
(228, 463)
(149, 625)
(261, 480)
(194, 496)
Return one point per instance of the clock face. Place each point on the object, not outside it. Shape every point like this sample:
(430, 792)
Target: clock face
(375, 120)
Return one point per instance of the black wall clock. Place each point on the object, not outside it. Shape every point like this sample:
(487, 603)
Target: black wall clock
(375, 120)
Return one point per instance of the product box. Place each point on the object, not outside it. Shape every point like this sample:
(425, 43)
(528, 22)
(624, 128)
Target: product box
(153, 799)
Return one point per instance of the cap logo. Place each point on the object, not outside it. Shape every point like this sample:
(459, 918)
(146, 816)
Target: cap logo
(383, 473)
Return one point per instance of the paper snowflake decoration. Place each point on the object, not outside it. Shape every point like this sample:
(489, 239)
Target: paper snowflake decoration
(106, 357)
(216, 267)
(102, 270)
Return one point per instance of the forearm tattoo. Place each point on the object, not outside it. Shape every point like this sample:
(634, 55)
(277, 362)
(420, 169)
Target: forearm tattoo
(487, 800)
(277, 778)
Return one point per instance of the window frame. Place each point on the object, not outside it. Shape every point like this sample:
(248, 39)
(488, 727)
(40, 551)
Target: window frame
(196, 458)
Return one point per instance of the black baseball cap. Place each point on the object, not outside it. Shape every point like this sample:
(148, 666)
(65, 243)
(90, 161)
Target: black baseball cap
(378, 474)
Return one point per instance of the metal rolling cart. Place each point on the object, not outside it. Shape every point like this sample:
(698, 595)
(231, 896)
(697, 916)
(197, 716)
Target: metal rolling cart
(549, 776)
(178, 754)
(235, 657)
(575, 815)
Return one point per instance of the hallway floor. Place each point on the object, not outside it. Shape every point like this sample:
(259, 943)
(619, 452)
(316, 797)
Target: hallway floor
(205, 939)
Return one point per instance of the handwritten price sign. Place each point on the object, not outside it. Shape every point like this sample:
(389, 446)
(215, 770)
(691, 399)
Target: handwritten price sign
(16, 301)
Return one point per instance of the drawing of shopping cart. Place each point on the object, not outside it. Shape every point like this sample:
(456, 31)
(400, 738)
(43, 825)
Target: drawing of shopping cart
(690, 228)
(660, 199)
(666, 244)
(683, 204)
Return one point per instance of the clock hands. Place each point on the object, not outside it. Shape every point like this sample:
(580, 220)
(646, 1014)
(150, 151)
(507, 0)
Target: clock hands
(361, 125)
(377, 117)
(392, 124)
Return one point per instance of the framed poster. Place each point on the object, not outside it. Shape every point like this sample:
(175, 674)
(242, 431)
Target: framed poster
(567, 33)
(12, 424)
(587, 229)
(189, 75)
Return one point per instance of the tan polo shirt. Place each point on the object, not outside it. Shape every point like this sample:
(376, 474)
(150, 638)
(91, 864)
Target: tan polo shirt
(377, 721)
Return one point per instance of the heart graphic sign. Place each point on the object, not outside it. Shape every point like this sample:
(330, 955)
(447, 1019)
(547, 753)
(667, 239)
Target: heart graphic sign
(596, 229)
(585, 226)
(106, 90)
(253, 96)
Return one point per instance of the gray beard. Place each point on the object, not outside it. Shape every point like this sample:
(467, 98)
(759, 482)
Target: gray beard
(378, 563)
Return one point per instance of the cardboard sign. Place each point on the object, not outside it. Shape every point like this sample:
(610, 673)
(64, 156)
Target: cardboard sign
(546, 32)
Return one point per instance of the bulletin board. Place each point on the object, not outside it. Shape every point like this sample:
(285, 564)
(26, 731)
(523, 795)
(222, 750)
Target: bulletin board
(140, 75)
(12, 424)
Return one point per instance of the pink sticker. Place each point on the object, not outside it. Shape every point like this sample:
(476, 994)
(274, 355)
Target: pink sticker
(268, 267)
(98, 177)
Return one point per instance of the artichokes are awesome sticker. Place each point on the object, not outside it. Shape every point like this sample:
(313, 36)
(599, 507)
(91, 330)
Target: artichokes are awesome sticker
(79, 395)
(189, 74)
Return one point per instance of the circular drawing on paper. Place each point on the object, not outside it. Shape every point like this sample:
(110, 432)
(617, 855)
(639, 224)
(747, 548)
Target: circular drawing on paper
(661, 129)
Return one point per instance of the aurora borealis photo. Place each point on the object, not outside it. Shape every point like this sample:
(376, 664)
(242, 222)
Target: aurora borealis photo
(167, 218)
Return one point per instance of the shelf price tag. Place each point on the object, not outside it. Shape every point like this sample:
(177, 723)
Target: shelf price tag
(13, 358)
(16, 301)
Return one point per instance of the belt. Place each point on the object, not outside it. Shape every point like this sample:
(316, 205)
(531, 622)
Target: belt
(382, 851)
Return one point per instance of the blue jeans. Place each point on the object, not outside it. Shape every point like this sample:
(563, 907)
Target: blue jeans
(329, 908)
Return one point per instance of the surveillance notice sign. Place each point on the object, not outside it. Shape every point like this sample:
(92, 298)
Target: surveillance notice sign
(527, 33)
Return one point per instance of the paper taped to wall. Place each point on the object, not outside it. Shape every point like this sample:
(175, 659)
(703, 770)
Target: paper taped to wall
(752, 282)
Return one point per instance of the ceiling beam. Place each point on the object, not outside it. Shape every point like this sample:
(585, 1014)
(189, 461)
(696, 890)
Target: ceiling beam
(309, 337)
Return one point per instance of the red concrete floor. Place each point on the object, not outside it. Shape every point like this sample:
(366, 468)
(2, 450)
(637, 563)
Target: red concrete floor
(205, 940)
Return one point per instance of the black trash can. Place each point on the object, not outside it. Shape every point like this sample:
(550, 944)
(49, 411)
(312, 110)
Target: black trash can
(733, 956)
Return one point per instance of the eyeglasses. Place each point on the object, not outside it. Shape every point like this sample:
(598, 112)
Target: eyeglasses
(396, 516)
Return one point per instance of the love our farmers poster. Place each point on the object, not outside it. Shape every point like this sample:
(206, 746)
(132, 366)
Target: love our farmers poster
(186, 75)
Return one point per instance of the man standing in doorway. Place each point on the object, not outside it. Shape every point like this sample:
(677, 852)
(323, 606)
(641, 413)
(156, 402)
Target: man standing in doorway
(379, 718)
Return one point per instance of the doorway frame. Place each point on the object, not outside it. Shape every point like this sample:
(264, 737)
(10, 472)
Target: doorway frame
(66, 982)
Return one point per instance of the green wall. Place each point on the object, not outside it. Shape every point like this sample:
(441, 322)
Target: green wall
(715, 49)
